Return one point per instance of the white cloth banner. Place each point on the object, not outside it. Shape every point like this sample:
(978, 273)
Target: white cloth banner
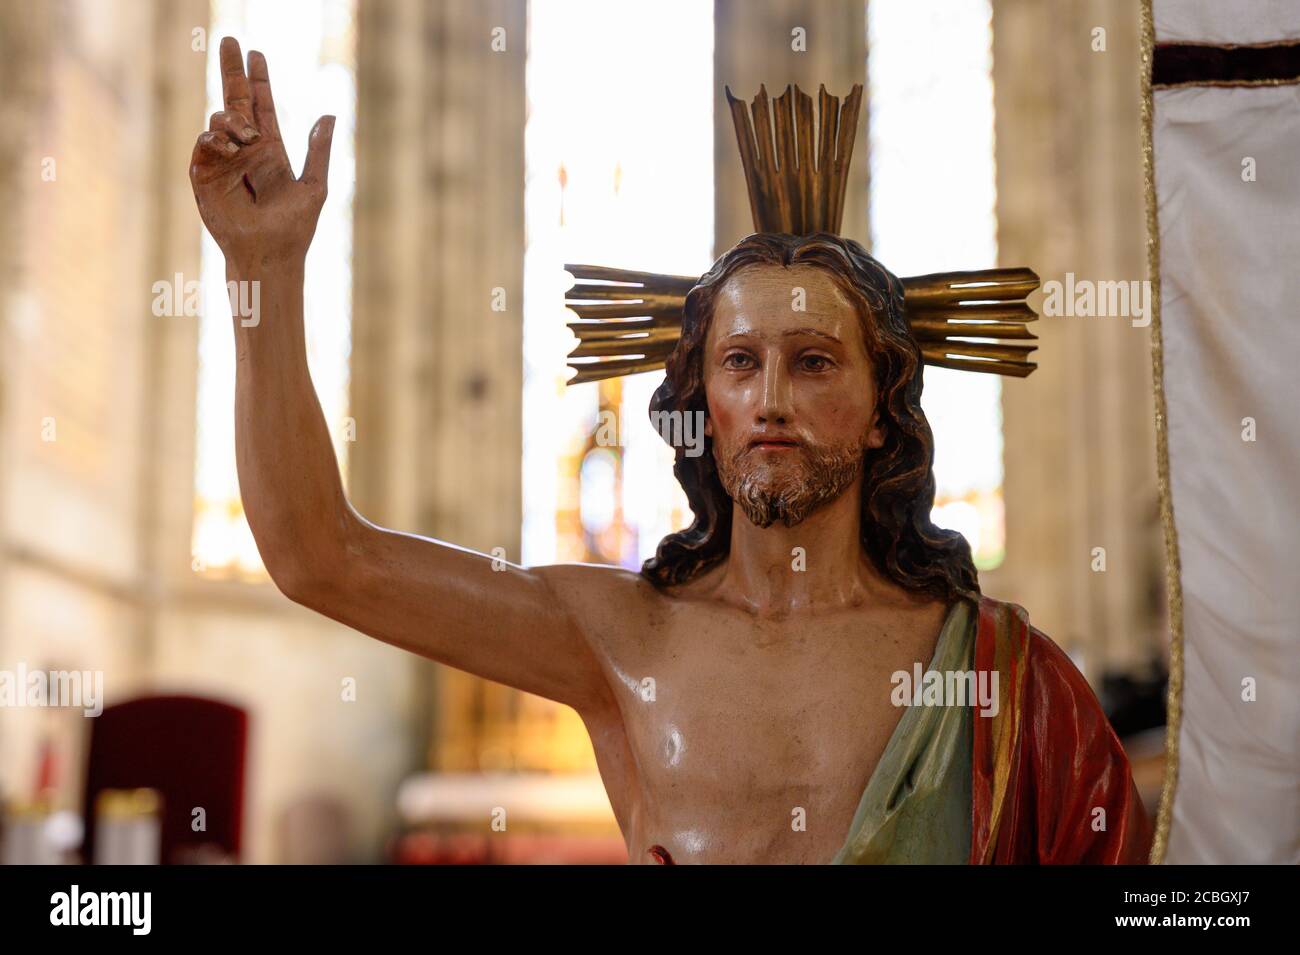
(1227, 175)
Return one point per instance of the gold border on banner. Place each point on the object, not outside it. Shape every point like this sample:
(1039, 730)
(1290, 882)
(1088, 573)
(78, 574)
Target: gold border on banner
(1173, 566)
(1227, 84)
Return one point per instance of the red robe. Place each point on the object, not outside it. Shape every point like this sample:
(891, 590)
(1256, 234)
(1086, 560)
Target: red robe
(1048, 760)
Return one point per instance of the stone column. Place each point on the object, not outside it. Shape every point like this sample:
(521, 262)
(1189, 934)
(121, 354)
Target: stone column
(758, 42)
(437, 373)
(1080, 460)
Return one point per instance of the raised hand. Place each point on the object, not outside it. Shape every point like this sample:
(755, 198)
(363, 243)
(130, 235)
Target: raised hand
(247, 195)
(463, 609)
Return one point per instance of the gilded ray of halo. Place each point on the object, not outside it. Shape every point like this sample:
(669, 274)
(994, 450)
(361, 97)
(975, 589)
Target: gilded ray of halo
(796, 176)
(629, 321)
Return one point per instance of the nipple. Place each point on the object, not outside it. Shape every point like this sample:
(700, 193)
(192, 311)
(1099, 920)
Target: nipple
(661, 855)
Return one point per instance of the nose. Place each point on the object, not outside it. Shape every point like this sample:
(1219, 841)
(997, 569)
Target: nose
(775, 406)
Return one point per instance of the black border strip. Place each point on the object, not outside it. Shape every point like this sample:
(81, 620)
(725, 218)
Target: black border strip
(1181, 64)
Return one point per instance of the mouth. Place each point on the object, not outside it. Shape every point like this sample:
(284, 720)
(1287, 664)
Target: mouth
(773, 444)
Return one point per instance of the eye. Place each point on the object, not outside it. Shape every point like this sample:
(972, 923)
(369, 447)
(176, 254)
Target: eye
(737, 361)
(815, 363)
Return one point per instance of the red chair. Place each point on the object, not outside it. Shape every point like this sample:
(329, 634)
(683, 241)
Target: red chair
(192, 750)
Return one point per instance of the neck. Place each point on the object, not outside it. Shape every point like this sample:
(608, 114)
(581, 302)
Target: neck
(767, 575)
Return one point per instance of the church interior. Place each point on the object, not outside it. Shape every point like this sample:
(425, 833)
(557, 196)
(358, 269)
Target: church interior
(480, 146)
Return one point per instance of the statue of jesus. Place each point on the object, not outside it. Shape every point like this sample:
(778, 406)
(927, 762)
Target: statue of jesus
(776, 630)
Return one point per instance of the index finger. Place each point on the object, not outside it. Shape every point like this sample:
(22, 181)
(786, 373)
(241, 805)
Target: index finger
(234, 84)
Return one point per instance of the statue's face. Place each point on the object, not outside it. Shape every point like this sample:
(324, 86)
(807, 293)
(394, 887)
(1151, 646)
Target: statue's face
(791, 393)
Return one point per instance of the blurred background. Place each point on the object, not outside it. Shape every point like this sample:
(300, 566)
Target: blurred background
(480, 145)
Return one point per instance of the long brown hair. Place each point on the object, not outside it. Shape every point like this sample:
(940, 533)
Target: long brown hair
(898, 477)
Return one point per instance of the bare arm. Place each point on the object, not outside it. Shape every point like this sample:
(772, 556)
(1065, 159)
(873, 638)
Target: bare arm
(455, 606)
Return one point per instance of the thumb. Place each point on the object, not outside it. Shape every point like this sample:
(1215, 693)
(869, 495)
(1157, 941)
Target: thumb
(317, 166)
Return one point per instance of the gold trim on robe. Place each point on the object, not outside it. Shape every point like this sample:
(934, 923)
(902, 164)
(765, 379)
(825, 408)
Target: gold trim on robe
(1040, 778)
(1051, 783)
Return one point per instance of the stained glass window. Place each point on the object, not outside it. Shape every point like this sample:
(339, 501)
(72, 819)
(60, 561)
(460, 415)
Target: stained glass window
(607, 186)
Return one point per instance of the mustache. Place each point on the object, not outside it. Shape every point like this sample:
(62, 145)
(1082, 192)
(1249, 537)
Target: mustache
(777, 436)
(791, 446)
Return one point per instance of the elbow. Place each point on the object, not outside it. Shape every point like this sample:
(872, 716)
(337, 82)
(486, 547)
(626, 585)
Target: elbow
(306, 573)
(297, 580)
(303, 562)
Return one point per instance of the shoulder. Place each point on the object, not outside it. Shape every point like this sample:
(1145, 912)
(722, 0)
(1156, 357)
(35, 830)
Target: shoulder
(603, 601)
(1007, 635)
(1058, 706)
(585, 585)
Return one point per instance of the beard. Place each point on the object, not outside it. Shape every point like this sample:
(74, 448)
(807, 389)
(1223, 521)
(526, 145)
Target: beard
(788, 490)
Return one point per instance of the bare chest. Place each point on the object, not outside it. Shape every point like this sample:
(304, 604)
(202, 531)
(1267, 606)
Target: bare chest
(753, 741)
